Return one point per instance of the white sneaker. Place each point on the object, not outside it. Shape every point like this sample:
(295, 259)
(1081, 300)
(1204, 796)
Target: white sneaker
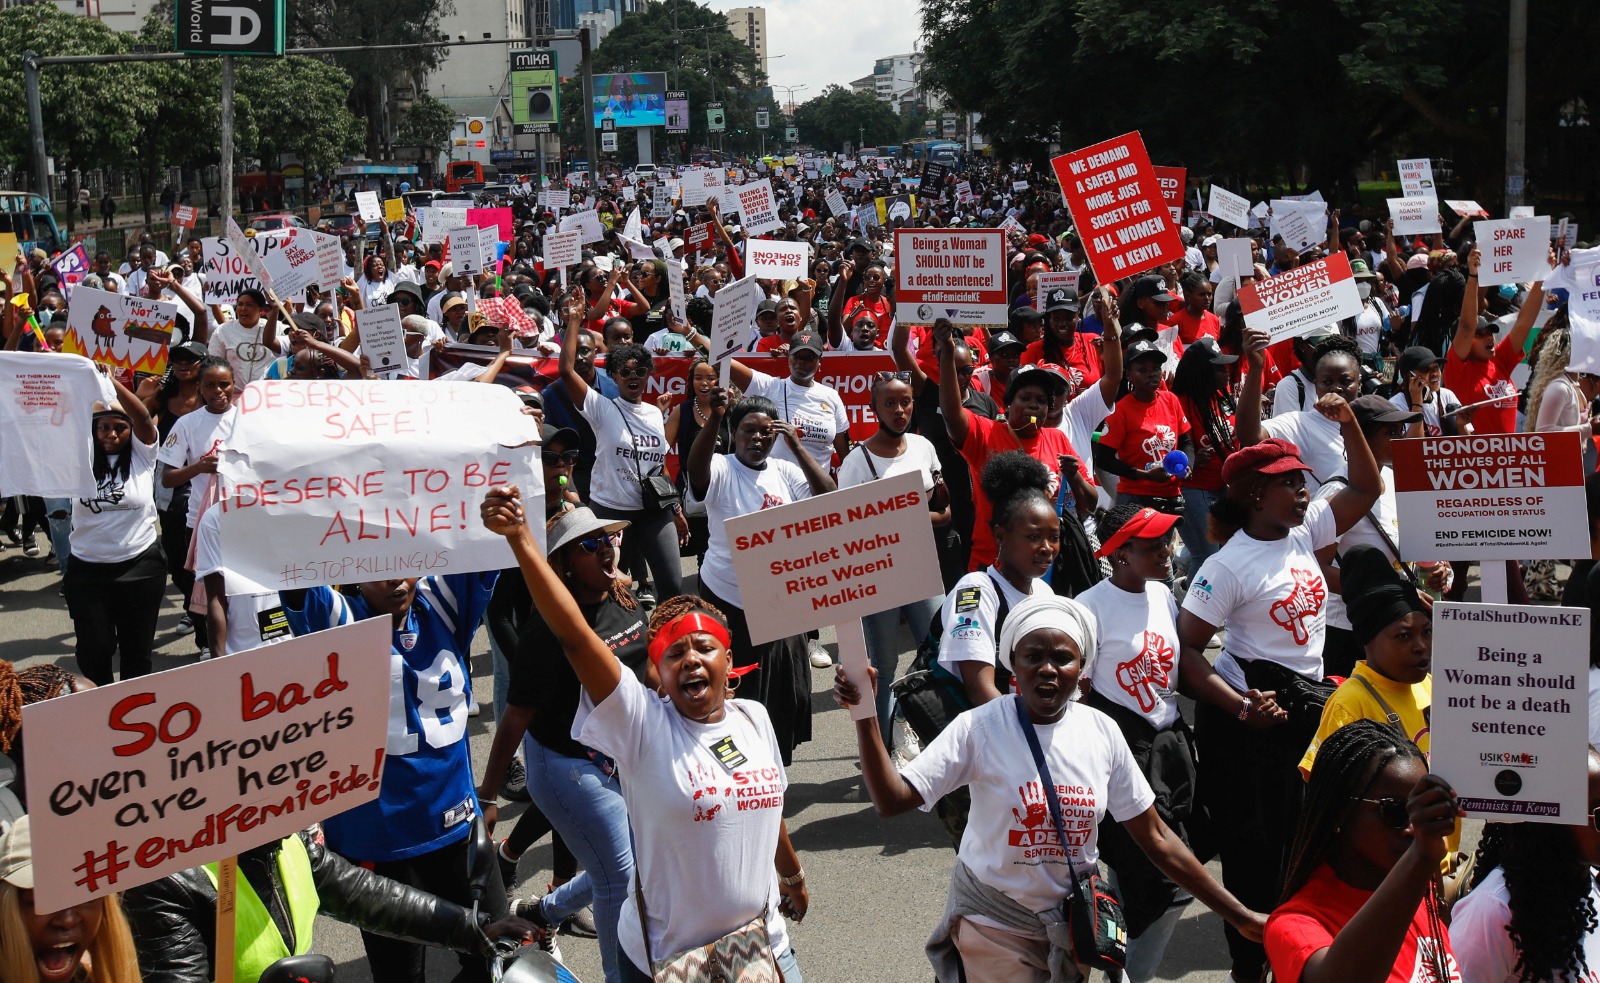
(205, 655)
(820, 659)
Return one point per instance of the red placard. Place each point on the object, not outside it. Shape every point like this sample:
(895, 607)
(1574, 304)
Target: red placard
(1116, 204)
(1171, 181)
(698, 238)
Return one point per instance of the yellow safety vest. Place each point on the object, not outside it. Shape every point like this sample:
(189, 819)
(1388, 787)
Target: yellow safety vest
(258, 943)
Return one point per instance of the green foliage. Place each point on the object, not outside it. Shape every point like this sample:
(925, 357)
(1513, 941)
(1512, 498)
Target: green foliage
(838, 116)
(427, 125)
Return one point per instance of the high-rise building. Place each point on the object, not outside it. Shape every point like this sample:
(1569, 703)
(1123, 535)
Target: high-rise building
(749, 25)
(126, 16)
(896, 75)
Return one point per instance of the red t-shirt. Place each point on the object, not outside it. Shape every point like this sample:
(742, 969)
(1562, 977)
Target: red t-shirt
(879, 309)
(976, 339)
(986, 438)
(1191, 328)
(1207, 477)
(1142, 434)
(1083, 364)
(1474, 382)
(1309, 921)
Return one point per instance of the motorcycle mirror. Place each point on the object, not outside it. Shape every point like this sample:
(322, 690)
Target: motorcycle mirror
(480, 862)
(310, 968)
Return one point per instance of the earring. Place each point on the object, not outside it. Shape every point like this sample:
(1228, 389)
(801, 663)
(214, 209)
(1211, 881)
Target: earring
(732, 684)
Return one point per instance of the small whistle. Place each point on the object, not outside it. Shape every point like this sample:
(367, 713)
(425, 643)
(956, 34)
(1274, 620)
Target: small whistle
(561, 480)
(1033, 420)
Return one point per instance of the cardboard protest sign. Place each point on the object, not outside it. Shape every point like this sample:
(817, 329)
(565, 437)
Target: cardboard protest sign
(637, 249)
(698, 238)
(1520, 211)
(1306, 297)
(836, 203)
(367, 206)
(292, 259)
(383, 339)
(46, 423)
(467, 254)
(1466, 208)
(1053, 280)
(131, 782)
(586, 222)
(955, 273)
(963, 191)
(934, 176)
(1019, 186)
(70, 268)
(734, 316)
(1302, 224)
(1490, 497)
(895, 208)
(770, 259)
(184, 217)
(557, 199)
(332, 482)
(1229, 207)
(1414, 216)
(563, 249)
(759, 207)
(835, 558)
(1236, 259)
(1510, 715)
(676, 301)
(634, 227)
(129, 334)
(696, 187)
(1515, 250)
(501, 221)
(224, 271)
(661, 202)
(1416, 178)
(1115, 201)
(394, 210)
(1171, 181)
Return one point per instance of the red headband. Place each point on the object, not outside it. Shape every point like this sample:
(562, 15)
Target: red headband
(1145, 523)
(687, 624)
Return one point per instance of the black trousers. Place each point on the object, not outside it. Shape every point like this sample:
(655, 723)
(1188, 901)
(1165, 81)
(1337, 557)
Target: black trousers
(114, 607)
(442, 872)
(175, 536)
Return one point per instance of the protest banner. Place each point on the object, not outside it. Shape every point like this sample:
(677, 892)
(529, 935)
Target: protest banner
(1111, 190)
(292, 259)
(561, 250)
(1515, 250)
(1416, 178)
(586, 222)
(46, 424)
(1466, 208)
(1414, 216)
(367, 206)
(1171, 181)
(836, 203)
(1012, 228)
(955, 273)
(501, 220)
(731, 322)
(1302, 224)
(1306, 297)
(383, 338)
(1583, 312)
(1510, 715)
(677, 303)
(558, 198)
(758, 207)
(1229, 207)
(1490, 497)
(1047, 282)
(394, 210)
(1520, 211)
(249, 251)
(770, 259)
(128, 334)
(963, 191)
(834, 559)
(698, 238)
(70, 269)
(332, 482)
(131, 782)
(224, 272)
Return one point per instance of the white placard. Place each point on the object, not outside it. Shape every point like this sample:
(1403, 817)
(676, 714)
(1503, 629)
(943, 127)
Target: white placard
(963, 191)
(333, 482)
(383, 338)
(1416, 178)
(1302, 224)
(1306, 297)
(1466, 208)
(368, 206)
(587, 222)
(558, 198)
(131, 782)
(466, 251)
(563, 249)
(1514, 250)
(836, 203)
(1236, 258)
(758, 208)
(770, 259)
(1053, 280)
(241, 243)
(735, 312)
(1229, 207)
(835, 558)
(1510, 715)
(1583, 311)
(1521, 211)
(1019, 186)
(954, 273)
(676, 300)
(1414, 216)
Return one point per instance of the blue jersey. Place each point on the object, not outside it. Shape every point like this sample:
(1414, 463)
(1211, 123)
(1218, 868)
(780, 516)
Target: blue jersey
(428, 796)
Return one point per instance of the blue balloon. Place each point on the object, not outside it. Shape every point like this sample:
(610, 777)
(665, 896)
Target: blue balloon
(1176, 464)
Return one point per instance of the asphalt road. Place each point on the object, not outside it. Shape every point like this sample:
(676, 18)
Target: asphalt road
(877, 886)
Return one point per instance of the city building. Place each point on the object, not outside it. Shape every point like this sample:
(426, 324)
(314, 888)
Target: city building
(866, 85)
(749, 25)
(119, 15)
(896, 75)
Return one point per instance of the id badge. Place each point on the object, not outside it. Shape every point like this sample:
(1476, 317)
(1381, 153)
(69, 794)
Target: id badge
(728, 754)
(273, 622)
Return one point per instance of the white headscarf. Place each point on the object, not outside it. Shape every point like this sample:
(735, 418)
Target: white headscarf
(1049, 611)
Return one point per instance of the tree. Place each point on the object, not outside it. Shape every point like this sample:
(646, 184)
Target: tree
(838, 116)
(426, 126)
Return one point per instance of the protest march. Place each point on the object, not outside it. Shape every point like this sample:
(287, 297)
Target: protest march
(1216, 565)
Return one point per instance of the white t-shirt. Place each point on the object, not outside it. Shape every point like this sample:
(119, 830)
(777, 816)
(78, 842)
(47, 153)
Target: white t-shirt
(247, 355)
(194, 436)
(919, 457)
(622, 454)
(1136, 665)
(816, 411)
(256, 616)
(120, 522)
(1289, 396)
(1386, 514)
(1431, 404)
(1369, 326)
(1010, 842)
(375, 292)
(1271, 596)
(705, 834)
(968, 617)
(1087, 411)
(1320, 440)
(736, 490)
(1480, 934)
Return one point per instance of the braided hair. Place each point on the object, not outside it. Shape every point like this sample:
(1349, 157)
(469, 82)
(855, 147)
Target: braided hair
(19, 689)
(1548, 886)
(1195, 380)
(1336, 345)
(10, 706)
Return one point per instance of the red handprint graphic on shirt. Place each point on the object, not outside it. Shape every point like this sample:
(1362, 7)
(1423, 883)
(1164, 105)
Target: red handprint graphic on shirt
(1035, 813)
(1301, 606)
(1148, 671)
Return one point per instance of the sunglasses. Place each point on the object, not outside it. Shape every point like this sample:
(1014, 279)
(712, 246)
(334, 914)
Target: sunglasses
(556, 459)
(1392, 811)
(902, 376)
(592, 544)
(633, 373)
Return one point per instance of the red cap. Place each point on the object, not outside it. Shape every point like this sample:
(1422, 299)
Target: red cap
(1272, 456)
(433, 263)
(1145, 524)
(1037, 240)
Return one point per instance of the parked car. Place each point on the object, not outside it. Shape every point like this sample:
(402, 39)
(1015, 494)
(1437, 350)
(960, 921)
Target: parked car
(277, 220)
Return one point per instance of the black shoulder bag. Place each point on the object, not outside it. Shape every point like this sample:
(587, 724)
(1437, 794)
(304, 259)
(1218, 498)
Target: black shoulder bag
(1093, 914)
(928, 695)
(656, 490)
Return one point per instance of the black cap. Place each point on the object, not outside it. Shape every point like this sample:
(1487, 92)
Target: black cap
(1417, 358)
(306, 321)
(1150, 288)
(858, 241)
(1026, 313)
(1143, 349)
(1003, 339)
(549, 433)
(191, 351)
(1061, 299)
(1373, 411)
(766, 307)
(1036, 374)
(1210, 351)
(805, 341)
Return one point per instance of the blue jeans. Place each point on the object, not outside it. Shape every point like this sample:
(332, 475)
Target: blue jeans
(786, 962)
(1196, 509)
(585, 806)
(60, 529)
(883, 647)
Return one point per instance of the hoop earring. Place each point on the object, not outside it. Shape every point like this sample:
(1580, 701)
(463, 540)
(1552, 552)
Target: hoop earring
(732, 683)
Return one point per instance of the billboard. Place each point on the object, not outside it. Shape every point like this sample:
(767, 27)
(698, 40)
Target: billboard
(631, 99)
(535, 91)
(677, 111)
(238, 27)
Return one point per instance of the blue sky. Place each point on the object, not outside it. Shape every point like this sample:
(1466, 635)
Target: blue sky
(831, 41)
